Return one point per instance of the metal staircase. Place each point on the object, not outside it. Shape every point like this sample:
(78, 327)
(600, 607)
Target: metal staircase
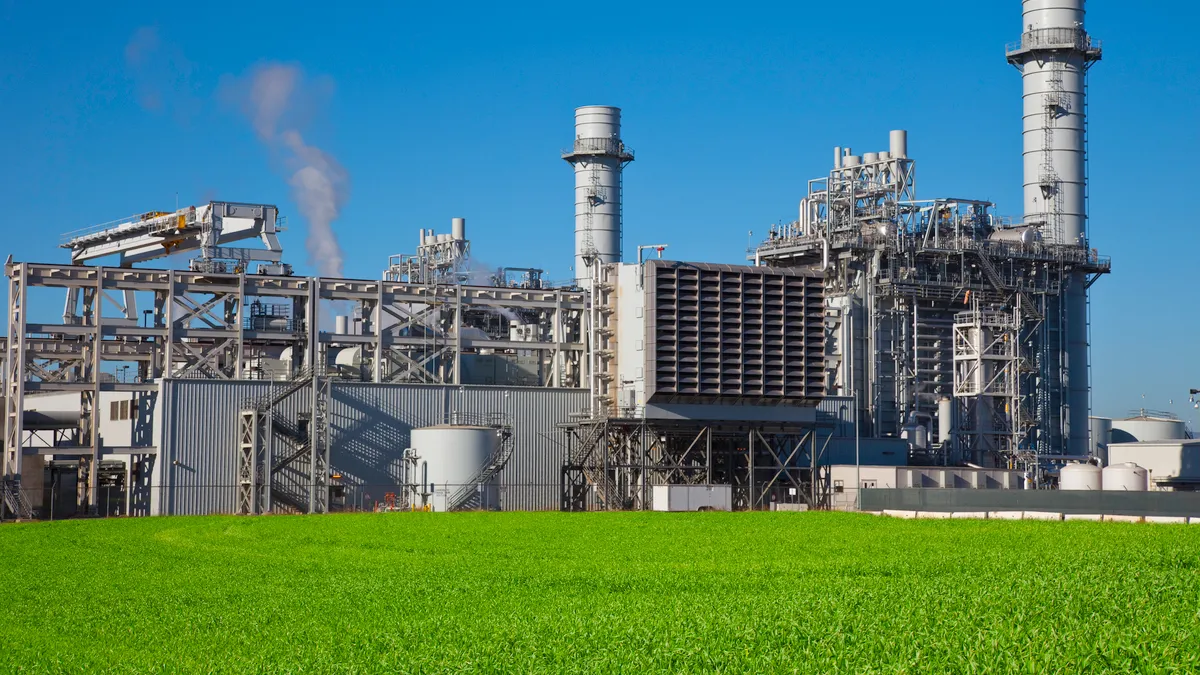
(591, 464)
(468, 495)
(15, 501)
(993, 276)
(296, 445)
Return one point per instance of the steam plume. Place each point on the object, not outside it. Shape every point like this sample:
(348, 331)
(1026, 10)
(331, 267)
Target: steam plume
(276, 99)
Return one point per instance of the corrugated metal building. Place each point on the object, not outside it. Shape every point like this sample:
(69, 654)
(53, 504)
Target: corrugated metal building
(197, 421)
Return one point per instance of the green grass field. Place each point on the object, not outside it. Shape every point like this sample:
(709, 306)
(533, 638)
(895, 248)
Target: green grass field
(604, 593)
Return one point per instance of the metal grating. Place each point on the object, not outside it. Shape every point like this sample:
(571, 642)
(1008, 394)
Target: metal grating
(734, 332)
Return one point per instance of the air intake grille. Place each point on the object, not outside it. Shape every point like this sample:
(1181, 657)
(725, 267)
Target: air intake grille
(733, 332)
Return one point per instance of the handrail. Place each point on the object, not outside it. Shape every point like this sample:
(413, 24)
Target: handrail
(1052, 38)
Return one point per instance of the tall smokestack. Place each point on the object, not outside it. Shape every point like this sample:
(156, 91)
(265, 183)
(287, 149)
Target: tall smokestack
(1054, 56)
(599, 157)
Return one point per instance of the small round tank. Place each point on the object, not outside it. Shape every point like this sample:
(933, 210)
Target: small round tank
(1127, 477)
(1025, 236)
(451, 457)
(945, 419)
(1080, 477)
(915, 433)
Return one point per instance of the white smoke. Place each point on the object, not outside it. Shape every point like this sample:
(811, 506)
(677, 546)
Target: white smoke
(319, 186)
(274, 96)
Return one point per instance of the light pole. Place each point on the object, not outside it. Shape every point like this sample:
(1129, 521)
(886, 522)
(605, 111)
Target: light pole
(1196, 405)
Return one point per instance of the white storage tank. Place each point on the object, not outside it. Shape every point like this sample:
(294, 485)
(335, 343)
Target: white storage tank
(449, 459)
(1099, 436)
(1144, 428)
(1126, 477)
(1080, 477)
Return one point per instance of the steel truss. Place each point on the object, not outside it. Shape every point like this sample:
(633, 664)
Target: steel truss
(200, 325)
(612, 463)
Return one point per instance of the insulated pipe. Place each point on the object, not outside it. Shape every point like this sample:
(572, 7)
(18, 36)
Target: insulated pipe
(49, 419)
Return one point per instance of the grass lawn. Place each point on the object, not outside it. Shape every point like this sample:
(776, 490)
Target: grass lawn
(601, 592)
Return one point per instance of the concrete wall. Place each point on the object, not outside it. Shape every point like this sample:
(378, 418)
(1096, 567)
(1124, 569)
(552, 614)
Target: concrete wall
(1106, 502)
(900, 477)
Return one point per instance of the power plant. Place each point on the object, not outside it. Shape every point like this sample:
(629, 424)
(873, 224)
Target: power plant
(881, 342)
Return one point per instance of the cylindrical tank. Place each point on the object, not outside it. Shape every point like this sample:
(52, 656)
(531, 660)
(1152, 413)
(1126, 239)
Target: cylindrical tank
(884, 156)
(458, 229)
(451, 458)
(851, 160)
(421, 237)
(1080, 477)
(870, 157)
(1145, 428)
(920, 437)
(837, 158)
(1020, 235)
(915, 433)
(599, 156)
(898, 144)
(1127, 477)
(341, 324)
(945, 419)
(1099, 436)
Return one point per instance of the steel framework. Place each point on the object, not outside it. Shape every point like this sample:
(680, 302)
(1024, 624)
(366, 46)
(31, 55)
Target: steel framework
(201, 325)
(897, 273)
(612, 463)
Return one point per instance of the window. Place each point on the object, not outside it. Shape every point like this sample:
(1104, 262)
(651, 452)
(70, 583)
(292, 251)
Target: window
(125, 409)
(869, 484)
(114, 410)
(839, 486)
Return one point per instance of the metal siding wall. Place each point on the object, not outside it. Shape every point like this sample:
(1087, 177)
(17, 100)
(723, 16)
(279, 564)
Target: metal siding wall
(371, 429)
(372, 425)
(198, 452)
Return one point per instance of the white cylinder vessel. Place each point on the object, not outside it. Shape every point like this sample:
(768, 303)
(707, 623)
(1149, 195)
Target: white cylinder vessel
(1127, 477)
(1146, 429)
(1080, 477)
(450, 458)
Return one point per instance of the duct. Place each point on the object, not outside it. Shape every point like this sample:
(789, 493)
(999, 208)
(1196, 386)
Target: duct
(36, 420)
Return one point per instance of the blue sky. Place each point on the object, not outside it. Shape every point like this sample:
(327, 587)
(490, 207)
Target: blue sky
(107, 109)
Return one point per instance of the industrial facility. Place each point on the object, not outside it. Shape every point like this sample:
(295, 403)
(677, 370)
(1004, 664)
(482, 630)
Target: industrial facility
(882, 340)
